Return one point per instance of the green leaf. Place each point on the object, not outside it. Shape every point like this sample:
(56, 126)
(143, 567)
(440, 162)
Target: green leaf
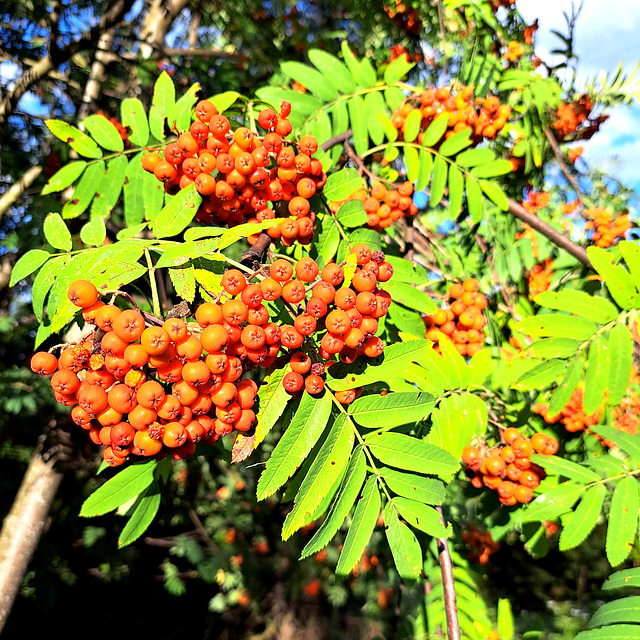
(553, 503)
(435, 130)
(387, 127)
(623, 521)
(94, 232)
(179, 254)
(244, 231)
(306, 426)
(613, 632)
(325, 470)
(412, 125)
(164, 97)
(622, 579)
(179, 115)
(176, 216)
(620, 347)
(313, 80)
(349, 490)
(622, 610)
(27, 264)
(411, 454)
(628, 443)
(411, 485)
(475, 157)
(492, 169)
(557, 326)
(495, 194)
(425, 164)
(631, 254)
(43, 282)
(132, 115)
(104, 132)
(422, 517)
(358, 118)
(362, 525)
(397, 69)
(553, 348)
(222, 101)
(76, 139)
(456, 143)
(124, 486)
(110, 187)
(273, 399)
(405, 548)
(183, 279)
(410, 297)
(475, 202)
(64, 177)
(352, 214)
(56, 232)
(328, 240)
(456, 420)
(506, 626)
(375, 107)
(596, 377)
(85, 191)
(565, 389)
(341, 184)
(580, 304)
(579, 524)
(438, 182)
(391, 410)
(394, 359)
(333, 69)
(540, 376)
(456, 190)
(133, 191)
(412, 162)
(618, 280)
(368, 73)
(566, 468)
(143, 515)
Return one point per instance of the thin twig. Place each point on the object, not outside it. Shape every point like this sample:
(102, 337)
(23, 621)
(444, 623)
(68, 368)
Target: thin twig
(562, 164)
(448, 587)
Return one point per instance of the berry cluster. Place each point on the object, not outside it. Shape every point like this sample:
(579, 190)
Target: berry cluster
(514, 51)
(575, 119)
(398, 50)
(406, 17)
(506, 468)
(572, 415)
(483, 116)
(383, 204)
(243, 177)
(606, 229)
(540, 278)
(147, 389)
(344, 315)
(481, 544)
(462, 320)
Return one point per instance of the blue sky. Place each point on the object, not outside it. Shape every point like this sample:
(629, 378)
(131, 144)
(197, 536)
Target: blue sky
(606, 35)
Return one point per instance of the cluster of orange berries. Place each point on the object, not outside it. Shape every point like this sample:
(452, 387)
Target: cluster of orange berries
(480, 543)
(540, 278)
(462, 320)
(152, 388)
(484, 117)
(243, 177)
(575, 118)
(406, 18)
(607, 230)
(507, 468)
(384, 205)
(514, 51)
(345, 316)
(572, 415)
(398, 50)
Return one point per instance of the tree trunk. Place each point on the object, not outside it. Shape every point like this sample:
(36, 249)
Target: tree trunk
(23, 527)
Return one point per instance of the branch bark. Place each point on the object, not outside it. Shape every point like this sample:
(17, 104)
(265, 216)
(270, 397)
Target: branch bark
(17, 188)
(89, 40)
(23, 527)
(571, 179)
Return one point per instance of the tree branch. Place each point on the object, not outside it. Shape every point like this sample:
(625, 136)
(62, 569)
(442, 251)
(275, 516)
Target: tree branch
(558, 238)
(571, 179)
(17, 188)
(89, 40)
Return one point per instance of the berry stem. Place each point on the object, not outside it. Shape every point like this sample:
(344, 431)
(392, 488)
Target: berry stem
(154, 288)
